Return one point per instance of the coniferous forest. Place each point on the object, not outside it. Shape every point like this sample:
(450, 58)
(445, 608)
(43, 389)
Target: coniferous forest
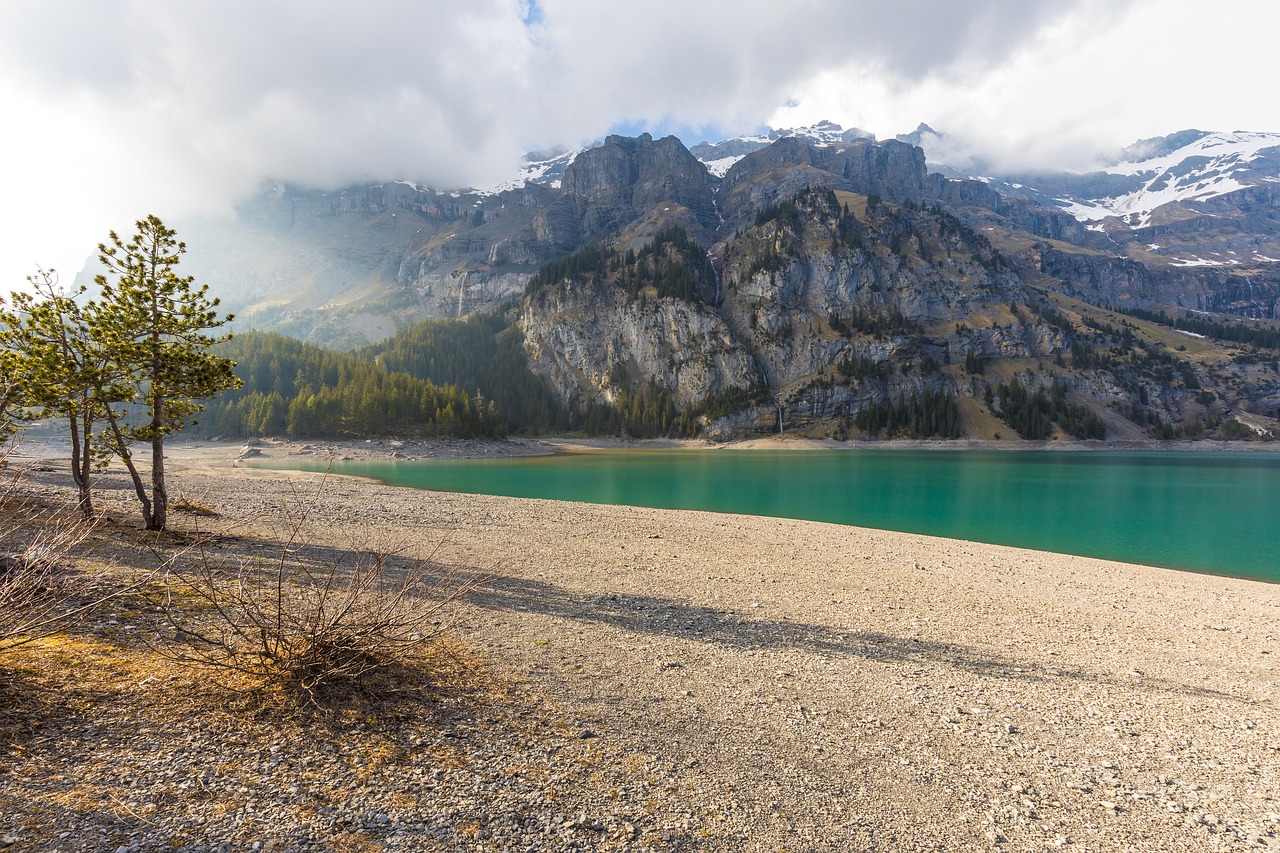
(466, 378)
(303, 391)
(481, 355)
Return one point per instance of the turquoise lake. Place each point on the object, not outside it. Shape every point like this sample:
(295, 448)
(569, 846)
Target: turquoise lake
(1207, 512)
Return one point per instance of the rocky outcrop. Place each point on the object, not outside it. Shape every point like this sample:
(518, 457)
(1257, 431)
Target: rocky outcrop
(891, 170)
(1108, 280)
(829, 312)
(974, 197)
(609, 188)
(1254, 294)
(1098, 278)
(823, 131)
(591, 340)
(462, 292)
(822, 288)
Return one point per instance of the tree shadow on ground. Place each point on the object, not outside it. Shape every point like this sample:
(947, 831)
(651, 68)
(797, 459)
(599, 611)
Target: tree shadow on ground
(638, 614)
(655, 615)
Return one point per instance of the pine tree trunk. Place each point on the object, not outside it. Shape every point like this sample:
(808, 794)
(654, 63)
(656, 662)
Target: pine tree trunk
(159, 495)
(83, 460)
(79, 468)
(122, 449)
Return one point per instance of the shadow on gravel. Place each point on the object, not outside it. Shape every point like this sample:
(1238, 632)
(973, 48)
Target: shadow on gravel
(673, 618)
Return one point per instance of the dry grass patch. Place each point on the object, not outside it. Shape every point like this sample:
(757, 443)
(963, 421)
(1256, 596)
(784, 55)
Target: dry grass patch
(116, 742)
(191, 507)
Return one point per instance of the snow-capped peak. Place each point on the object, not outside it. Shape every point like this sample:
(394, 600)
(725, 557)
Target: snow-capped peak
(1223, 150)
(540, 167)
(720, 156)
(1207, 166)
(547, 167)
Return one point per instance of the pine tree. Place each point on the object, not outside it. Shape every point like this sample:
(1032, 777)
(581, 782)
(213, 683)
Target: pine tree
(151, 323)
(55, 361)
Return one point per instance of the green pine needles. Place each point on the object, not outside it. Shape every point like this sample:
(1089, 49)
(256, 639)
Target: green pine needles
(153, 322)
(142, 345)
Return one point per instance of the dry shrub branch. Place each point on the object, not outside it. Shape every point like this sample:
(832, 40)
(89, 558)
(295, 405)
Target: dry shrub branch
(40, 590)
(308, 620)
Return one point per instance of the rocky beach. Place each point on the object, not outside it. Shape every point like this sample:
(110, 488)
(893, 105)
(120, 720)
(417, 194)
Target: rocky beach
(668, 680)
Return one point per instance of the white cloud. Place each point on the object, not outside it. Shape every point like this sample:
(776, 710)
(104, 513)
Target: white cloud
(119, 109)
(1087, 83)
(173, 108)
(730, 63)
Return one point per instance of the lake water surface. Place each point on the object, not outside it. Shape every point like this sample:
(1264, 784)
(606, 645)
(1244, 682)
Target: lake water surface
(1204, 511)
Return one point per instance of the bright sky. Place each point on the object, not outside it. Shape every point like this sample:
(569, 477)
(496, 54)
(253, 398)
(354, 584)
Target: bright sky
(119, 108)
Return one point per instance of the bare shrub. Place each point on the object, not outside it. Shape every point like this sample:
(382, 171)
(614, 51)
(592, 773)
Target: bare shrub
(40, 590)
(308, 620)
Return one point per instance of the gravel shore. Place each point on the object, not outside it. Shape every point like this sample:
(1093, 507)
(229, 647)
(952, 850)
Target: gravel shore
(681, 681)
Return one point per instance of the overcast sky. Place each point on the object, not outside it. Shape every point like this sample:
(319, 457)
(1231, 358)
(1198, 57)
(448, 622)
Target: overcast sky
(119, 108)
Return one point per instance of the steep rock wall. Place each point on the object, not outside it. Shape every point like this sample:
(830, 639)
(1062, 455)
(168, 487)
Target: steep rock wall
(584, 338)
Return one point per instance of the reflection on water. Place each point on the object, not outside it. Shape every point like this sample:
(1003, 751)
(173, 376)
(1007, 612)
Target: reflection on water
(1213, 512)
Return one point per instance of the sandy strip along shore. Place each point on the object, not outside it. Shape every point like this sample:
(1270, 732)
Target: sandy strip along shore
(730, 682)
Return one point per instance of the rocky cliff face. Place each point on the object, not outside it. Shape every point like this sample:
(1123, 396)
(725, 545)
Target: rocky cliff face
(1252, 293)
(590, 340)
(630, 185)
(827, 310)
(892, 170)
(1098, 278)
(975, 200)
(820, 278)
(841, 310)
(828, 306)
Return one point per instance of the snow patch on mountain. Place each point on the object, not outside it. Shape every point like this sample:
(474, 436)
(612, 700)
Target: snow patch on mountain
(720, 156)
(540, 167)
(1223, 149)
(721, 167)
(1212, 165)
(1202, 262)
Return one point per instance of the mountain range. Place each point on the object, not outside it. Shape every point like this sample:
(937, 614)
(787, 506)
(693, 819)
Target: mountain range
(1197, 211)
(809, 275)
